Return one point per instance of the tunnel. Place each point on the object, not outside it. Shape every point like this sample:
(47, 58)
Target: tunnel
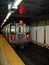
(24, 32)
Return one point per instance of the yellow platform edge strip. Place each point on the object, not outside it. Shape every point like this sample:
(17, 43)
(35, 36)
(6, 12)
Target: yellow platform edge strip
(12, 57)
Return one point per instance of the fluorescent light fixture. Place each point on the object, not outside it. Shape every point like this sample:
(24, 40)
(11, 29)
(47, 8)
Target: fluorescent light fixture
(2, 24)
(9, 6)
(8, 15)
(16, 3)
(4, 20)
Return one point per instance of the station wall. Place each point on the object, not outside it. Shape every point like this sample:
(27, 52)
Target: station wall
(47, 32)
(40, 32)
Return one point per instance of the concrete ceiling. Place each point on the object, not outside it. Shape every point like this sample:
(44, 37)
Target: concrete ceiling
(36, 9)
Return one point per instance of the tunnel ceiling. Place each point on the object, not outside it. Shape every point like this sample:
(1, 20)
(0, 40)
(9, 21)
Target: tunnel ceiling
(37, 9)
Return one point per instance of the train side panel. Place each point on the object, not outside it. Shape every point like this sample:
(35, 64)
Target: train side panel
(17, 33)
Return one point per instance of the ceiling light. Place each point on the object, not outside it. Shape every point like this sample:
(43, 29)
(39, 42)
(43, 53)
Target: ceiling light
(16, 3)
(9, 6)
(2, 24)
(4, 20)
(8, 15)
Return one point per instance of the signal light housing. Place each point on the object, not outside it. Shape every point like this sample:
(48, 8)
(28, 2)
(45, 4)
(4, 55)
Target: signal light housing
(21, 10)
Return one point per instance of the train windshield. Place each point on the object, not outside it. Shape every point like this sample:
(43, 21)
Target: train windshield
(12, 28)
(27, 29)
(20, 29)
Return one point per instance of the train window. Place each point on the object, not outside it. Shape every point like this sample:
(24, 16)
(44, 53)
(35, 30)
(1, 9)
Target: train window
(24, 29)
(27, 29)
(12, 28)
(20, 29)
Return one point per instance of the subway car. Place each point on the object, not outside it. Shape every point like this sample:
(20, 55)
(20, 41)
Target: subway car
(17, 33)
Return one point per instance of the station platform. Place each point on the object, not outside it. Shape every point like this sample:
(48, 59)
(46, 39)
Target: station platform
(7, 55)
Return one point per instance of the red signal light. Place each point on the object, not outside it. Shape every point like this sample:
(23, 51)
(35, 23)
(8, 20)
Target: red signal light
(21, 10)
(21, 22)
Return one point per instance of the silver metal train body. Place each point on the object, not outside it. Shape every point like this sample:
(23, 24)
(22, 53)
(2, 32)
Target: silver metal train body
(17, 33)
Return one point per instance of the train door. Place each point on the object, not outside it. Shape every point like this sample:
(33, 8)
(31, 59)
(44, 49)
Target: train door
(23, 33)
(12, 35)
(20, 32)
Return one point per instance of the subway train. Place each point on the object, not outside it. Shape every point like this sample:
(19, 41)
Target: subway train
(17, 33)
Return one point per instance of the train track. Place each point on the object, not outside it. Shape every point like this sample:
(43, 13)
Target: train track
(33, 55)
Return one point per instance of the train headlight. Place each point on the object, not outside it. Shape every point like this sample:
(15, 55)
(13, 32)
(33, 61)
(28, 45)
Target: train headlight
(13, 37)
(28, 36)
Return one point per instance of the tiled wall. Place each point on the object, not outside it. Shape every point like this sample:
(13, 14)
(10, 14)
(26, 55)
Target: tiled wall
(40, 32)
